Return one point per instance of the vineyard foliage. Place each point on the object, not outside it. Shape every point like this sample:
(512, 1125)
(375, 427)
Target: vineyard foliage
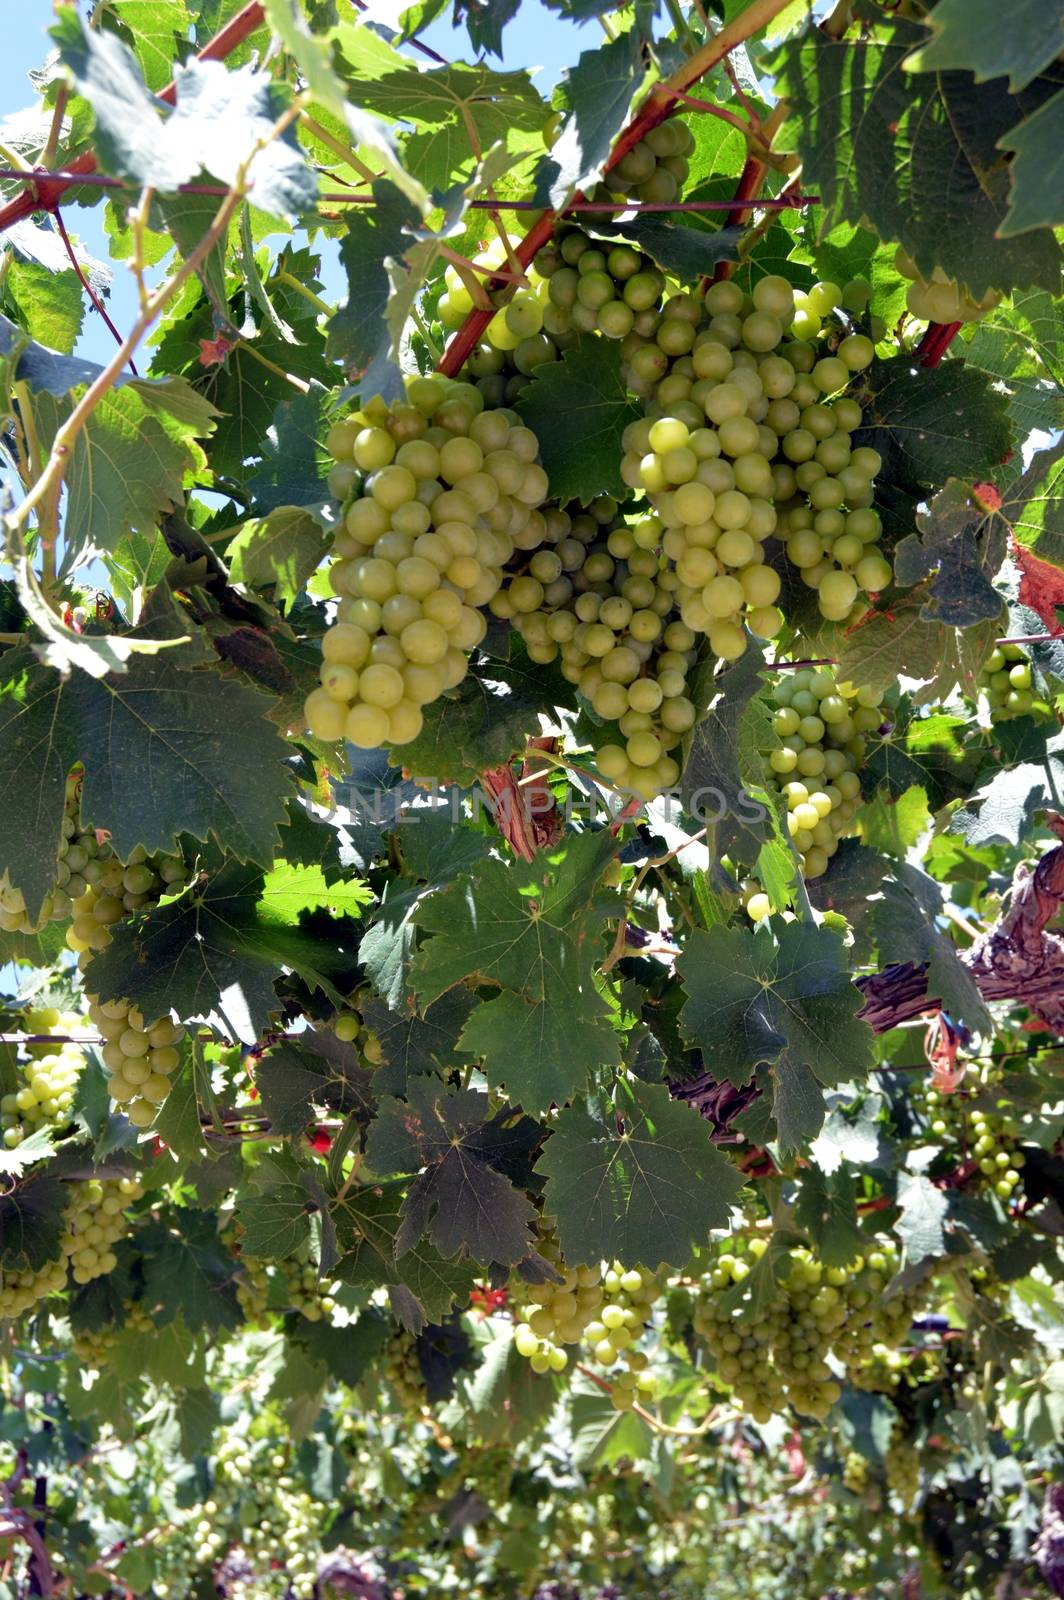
(531, 800)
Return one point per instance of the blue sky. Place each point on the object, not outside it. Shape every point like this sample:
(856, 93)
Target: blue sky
(536, 38)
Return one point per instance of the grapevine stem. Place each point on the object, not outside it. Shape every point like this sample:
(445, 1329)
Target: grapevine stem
(58, 113)
(337, 146)
(313, 299)
(50, 480)
(751, 178)
(83, 280)
(745, 128)
(648, 1416)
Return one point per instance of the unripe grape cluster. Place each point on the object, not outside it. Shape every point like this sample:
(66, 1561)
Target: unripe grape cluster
(450, 489)
(93, 1346)
(46, 1097)
(290, 1285)
(978, 1123)
(349, 1028)
(901, 1467)
(273, 1520)
(140, 1057)
(401, 1368)
(821, 725)
(606, 1309)
(23, 1288)
(773, 1350)
(79, 856)
(941, 298)
(1005, 678)
(597, 596)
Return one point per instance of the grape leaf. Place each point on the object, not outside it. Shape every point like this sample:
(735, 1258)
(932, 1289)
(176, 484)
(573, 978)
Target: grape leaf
(1034, 504)
(452, 99)
(827, 1210)
(293, 466)
(128, 464)
(460, 1198)
(923, 1210)
(345, 1353)
(189, 1274)
(215, 955)
(905, 929)
(31, 1223)
(275, 1219)
(49, 301)
(915, 154)
(684, 251)
(1002, 809)
(540, 1052)
(313, 1069)
(34, 1147)
(170, 727)
(939, 658)
(578, 408)
(413, 1045)
(533, 927)
(218, 119)
(932, 425)
(1036, 170)
(598, 91)
(788, 1002)
(962, 545)
(279, 552)
(358, 336)
(842, 1139)
(154, 28)
(980, 37)
(713, 786)
(368, 1219)
(639, 1180)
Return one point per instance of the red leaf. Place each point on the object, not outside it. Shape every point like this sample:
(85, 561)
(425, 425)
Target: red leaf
(214, 351)
(1041, 587)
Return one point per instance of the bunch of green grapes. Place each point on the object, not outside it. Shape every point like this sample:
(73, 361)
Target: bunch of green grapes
(815, 1311)
(402, 1370)
(901, 1468)
(629, 1293)
(95, 1221)
(821, 724)
(979, 1122)
(457, 300)
(940, 298)
(556, 1314)
(178, 1555)
(93, 1346)
(23, 1288)
(140, 1057)
(756, 442)
(855, 1474)
(80, 857)
(349, 1027)
(739, 1339)
(1005, 679)
(289, 1285)
(597, 595)
(117, 890)
(655, 170)
(450, 490)
(51, 1074)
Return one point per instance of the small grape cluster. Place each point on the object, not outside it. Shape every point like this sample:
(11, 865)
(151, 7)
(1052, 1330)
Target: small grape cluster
(655, 169)
(941, 298)
(979, 1122)
(821, 725)
(604, 1308)
(349, 1028)
(401, 1368)
(93, 1346)
(779, 1353)
(450, 489)
(1005, 679)
(298, 1288)
(80, 861)
(595, 595)
(277, 1524)
(117, 891)
(901, 1468)
(51, 1075)
(140, 1057)
(95, 1222)
(855, 1474)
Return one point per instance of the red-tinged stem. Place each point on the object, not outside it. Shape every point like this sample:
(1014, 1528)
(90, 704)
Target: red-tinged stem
(44, 194)
(936, 341)
(85, 284)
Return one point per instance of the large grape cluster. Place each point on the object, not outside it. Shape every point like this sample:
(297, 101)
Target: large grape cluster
(793, 1342)
(450, 490)
(274, 1522)
(118, 890)
(22, 1288)
(1005, 679)
(51, 1074)
(821, 726)
(140, 1057)
(597, 595)
(941, 298)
